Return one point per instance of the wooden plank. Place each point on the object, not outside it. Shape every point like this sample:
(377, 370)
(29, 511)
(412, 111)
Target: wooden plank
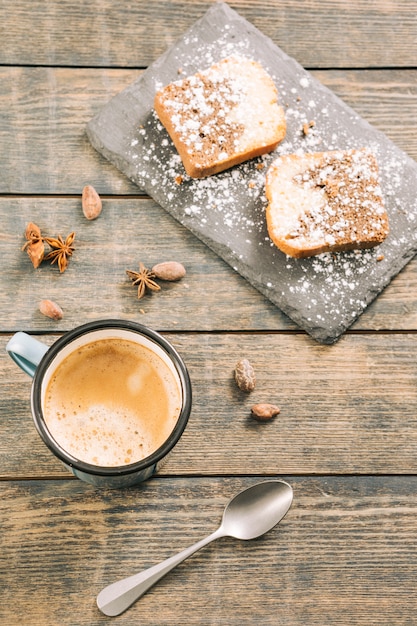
(348, 408)
(95, 283)
(329, 33)
(384, 98)
(43, 114)
(49, 153)
(345, 548)
(132, 230)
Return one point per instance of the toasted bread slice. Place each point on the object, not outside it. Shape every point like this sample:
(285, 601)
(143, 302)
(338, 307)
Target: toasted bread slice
(325, 202)
(222, 116)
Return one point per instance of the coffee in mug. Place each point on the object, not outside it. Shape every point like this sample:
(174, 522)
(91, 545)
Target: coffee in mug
(110, 398)
(112, 402)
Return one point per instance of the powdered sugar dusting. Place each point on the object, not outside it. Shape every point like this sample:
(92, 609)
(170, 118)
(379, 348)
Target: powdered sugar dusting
(325, 201)
(206, 115)
(324, 294)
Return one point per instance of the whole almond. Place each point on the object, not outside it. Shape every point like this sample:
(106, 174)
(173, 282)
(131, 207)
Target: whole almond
(51, 309)
(91, 203)
(264, 411)
(169, 270)
(245, 375)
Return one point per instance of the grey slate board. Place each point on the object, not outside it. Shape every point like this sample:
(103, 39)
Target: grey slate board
(323, 295)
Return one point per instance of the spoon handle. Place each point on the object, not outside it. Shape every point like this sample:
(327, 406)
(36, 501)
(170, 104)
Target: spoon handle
(119, 596)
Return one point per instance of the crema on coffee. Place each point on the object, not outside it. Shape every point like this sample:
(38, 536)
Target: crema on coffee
(112, 402)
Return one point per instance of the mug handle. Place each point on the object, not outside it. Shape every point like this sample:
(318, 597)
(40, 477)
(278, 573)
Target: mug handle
(26, 352)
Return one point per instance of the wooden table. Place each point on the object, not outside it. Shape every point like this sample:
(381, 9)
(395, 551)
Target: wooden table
(346, 438)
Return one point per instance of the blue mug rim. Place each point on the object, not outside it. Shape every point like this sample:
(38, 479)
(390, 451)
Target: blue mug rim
(122, 470)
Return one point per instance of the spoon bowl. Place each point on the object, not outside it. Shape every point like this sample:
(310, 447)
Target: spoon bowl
(256, 510)
(250, 514)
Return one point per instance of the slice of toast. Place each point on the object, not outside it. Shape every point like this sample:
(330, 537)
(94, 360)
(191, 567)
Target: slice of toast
(325, 202)
(222, 116)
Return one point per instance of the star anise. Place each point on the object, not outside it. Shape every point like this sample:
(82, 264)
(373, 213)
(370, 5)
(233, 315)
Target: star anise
(143, 279)
(61, 250)
(34, 245)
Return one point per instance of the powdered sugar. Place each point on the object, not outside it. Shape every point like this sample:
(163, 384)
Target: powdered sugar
(227, 211)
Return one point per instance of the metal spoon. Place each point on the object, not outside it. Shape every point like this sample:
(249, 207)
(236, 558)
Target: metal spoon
(250, 514)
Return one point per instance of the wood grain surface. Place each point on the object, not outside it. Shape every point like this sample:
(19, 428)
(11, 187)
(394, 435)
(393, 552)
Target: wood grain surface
(345, 438)
(343, 554)
(327, 33)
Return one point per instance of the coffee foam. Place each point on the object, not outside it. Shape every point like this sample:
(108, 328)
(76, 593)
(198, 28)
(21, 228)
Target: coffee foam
(103, 437)
(112, 402)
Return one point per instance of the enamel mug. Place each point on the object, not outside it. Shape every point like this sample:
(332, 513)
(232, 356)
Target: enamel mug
(41, 362)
